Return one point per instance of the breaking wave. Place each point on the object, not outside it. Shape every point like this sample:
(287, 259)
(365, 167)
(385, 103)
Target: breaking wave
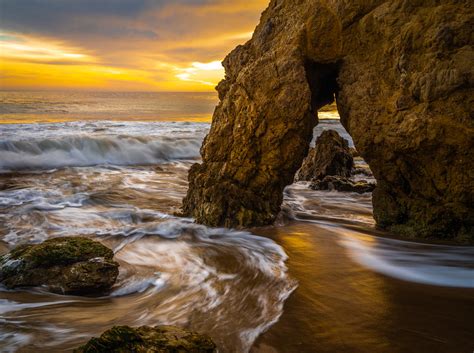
(83, 151)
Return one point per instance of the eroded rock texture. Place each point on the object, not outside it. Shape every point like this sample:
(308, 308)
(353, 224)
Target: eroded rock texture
(331, 156)
(403, 76)
(331, 183)
(69, 265)
(146, 339)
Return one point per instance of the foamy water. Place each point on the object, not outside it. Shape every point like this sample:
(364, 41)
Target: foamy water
(120, 183)
(99, 143)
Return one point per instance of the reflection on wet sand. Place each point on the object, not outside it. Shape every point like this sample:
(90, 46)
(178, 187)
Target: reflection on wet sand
(341, 306)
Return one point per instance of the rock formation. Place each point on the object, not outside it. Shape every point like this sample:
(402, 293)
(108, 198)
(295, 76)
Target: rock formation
(330, 156)
(70, 265)
(331, 183)
(160, 339)
(402, 74)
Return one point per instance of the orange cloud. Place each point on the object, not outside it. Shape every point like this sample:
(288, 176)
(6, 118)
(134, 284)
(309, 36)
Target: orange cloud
(171, 47)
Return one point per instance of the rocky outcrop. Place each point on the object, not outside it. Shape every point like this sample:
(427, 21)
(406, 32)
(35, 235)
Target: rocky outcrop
(330, 156)
(402, 73)
(338, 183)
(70, 265)
(160, 339)
(330, 165)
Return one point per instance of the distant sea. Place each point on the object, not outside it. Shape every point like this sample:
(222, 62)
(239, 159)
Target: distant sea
(49, 107)
(24, 107)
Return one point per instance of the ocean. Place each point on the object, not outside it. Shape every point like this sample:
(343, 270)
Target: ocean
(113, 167)
(52, 106)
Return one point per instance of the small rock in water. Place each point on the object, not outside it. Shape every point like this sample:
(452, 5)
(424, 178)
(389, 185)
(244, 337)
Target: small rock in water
(342, 184)
(330, 156)
(70, 265)
(160, 339)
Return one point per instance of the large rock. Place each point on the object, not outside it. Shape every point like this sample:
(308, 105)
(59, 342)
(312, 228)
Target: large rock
(160, 339)
(331, 156)
(70, 265)
(403, 76)
(331, 183)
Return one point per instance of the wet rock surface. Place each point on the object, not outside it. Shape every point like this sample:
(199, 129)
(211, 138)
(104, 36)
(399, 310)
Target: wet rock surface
(69, 265)
(403, 77)
(160, 339)
(330, 156)
(331, 183)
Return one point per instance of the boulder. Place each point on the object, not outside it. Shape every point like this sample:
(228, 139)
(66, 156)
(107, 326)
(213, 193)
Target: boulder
(338, 183)
(69, 265)
(160, 339)
(330, 156)
(402, 75)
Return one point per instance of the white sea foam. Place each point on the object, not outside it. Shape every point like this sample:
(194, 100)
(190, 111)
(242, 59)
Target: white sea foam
(10, 341)
(183, 253)
(139, 285)
(7, 306)
(440, 265)
(83, 151)
(176, 272)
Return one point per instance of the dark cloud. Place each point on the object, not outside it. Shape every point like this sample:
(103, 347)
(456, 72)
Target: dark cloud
(84, 17)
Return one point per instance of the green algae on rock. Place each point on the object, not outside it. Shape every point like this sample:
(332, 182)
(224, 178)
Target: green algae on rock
(68, 265)
(145, 339)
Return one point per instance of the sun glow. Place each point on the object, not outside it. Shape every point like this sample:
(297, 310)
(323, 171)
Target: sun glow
(205, 73)
(53, 64)
(32, 49)
(163, 46)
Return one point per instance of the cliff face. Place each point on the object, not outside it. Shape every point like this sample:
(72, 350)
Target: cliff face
(403, 77)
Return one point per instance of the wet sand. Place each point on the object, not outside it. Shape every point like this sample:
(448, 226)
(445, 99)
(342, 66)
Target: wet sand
(340, 306)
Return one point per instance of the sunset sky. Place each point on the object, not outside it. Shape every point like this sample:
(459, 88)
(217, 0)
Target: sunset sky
(120, 45)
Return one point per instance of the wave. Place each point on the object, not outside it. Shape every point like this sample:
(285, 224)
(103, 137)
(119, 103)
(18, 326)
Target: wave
(172, 273)
(200, 272)
(438, 265)
(83, 151)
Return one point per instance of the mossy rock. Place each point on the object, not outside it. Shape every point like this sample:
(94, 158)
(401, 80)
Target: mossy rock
(145, 339)
(69, 265)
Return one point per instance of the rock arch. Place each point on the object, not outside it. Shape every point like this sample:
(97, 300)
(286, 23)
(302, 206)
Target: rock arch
(403, 77)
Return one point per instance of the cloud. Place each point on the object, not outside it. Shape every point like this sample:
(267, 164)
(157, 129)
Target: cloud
(129, 34)
(25, 48)
(199, 72)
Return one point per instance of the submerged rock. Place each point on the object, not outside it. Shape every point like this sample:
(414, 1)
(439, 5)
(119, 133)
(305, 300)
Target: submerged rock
(160, 339)
(403, 77)
(331, 183)
(330, 156)
(69, 265)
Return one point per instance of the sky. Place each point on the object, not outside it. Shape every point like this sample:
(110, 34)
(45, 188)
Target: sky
(121, 45)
